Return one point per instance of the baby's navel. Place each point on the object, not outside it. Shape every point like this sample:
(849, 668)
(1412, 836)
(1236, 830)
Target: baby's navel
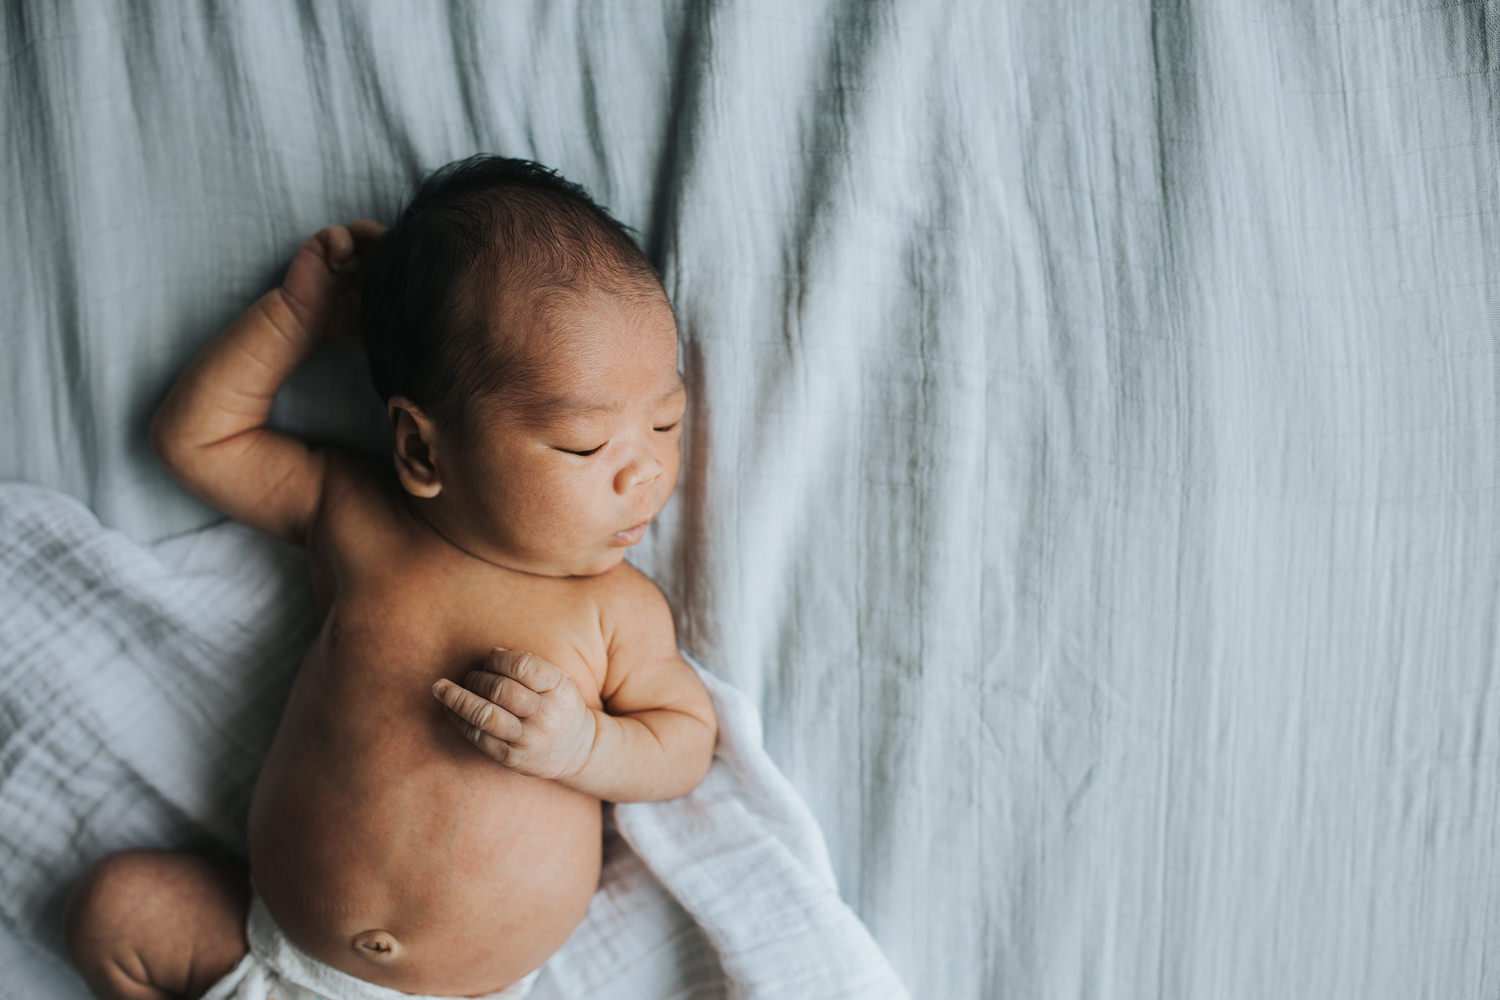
(377, 946)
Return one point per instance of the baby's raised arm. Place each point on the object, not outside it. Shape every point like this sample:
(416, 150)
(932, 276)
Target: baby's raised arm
(653, 740)
(211, 431)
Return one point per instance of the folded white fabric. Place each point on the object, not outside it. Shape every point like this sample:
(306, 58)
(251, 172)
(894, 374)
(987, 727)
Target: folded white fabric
(139, 688)
(744, 856)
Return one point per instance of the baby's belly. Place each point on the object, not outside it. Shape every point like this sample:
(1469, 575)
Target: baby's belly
(385, 845)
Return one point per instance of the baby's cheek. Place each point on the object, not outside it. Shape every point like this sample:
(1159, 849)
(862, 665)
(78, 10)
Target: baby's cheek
(674, 468)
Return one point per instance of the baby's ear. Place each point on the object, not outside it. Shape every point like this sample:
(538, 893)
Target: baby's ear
(415, 452)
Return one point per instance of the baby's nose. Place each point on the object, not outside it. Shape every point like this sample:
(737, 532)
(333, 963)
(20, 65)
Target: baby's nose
(639, 472)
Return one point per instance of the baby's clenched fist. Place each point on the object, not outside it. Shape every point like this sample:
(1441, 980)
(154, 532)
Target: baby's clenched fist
(321, 287)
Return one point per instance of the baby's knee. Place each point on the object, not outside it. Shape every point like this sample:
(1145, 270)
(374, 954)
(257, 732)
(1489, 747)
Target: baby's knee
(106, 897)
(103, 918)
(153, 923)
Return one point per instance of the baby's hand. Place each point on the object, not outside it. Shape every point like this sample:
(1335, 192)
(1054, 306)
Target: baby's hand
(524, 712)
(321, 286)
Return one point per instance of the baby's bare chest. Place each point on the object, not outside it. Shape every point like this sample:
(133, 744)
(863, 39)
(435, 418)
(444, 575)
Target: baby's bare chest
(398, 632)
(400, 604)
(366, 754)
(366, 758)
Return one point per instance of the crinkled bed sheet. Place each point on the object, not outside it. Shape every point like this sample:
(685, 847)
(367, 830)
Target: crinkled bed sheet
(1092, 472)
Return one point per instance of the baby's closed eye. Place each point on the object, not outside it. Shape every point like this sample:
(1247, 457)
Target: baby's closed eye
(586, 452)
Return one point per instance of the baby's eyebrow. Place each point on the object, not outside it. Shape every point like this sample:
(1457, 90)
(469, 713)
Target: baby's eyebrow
(546, 408)
(679, 388)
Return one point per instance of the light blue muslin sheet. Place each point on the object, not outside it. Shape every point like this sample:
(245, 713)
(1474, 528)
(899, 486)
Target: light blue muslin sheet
(1092, 469)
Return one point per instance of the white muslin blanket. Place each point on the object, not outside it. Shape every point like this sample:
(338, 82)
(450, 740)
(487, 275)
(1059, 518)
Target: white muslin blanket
(139, 687)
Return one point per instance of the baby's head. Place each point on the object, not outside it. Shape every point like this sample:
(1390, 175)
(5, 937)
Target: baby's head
(527, 355)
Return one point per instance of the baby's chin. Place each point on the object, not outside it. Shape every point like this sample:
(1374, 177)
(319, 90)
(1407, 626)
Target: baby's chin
(600, 563)
(576, 564)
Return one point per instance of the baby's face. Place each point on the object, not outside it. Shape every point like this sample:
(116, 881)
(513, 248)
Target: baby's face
(565, 489)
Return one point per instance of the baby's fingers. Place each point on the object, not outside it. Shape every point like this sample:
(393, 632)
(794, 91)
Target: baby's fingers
(510, 694)
(476, 717)
(353, 245)
(338, 245)
(365, 230)
(344, 248)
(532, 671)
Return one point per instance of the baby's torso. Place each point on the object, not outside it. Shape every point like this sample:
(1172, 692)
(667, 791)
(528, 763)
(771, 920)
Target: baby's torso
(380, 839)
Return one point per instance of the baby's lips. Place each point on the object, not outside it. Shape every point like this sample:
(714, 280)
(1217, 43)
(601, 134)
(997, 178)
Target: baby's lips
(631, 536)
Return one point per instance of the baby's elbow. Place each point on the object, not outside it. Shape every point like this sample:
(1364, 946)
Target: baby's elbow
(165, 440)
(688, 741)
(171, 443)
(175, 448)
(703, 750)
(711, 723)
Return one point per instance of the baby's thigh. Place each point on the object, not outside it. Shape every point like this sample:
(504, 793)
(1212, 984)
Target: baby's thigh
(146, 924)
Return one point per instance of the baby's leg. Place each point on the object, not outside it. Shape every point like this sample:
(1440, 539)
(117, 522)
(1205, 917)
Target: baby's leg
(148, 925)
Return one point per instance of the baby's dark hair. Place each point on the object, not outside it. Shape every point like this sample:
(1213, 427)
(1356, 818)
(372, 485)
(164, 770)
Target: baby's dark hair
(478, 236)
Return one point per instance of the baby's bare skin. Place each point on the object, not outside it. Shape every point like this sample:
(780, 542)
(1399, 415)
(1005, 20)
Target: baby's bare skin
(385, 819)
(487, 670)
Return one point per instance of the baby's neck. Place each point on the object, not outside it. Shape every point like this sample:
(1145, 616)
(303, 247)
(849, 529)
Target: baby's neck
(430, 520)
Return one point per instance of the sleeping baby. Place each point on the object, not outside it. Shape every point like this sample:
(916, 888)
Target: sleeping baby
(476, 599)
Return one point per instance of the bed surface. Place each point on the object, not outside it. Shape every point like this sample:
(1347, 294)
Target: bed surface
(1092, 468)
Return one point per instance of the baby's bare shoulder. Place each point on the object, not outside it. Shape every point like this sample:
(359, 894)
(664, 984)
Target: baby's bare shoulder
(634, 616)
(627, 592)
(646, 670)
(358, 513)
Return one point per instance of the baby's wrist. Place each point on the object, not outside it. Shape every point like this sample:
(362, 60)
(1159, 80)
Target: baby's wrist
(587, 753)
(587, 775)
(291, 319)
